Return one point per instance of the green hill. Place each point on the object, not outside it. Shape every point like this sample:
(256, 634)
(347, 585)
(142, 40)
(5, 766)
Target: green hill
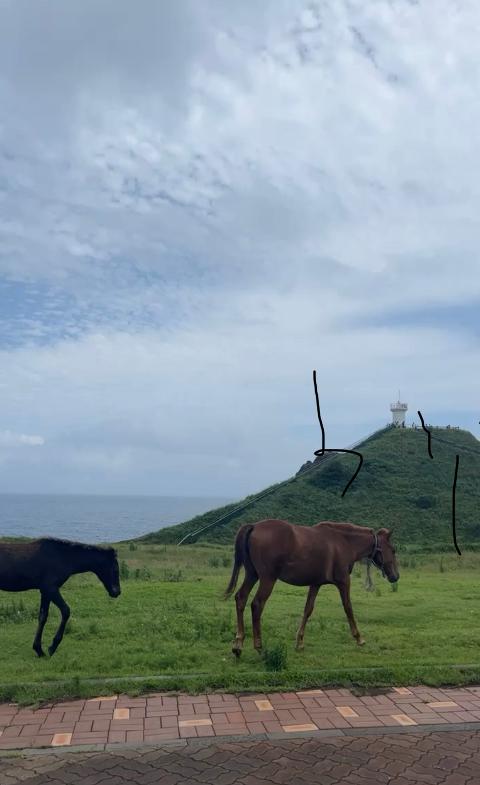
(399, 486)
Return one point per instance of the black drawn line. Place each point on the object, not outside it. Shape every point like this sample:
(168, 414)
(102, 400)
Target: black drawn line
(454, 487)
(326, 449)
(318, 411)
(427, 432)
(454, 490)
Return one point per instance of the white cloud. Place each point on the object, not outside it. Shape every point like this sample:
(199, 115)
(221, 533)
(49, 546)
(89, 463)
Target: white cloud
(202, 204)
(9, 439)
(169, 412)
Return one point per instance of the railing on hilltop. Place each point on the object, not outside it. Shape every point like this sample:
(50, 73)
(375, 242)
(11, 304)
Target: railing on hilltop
(459, 447)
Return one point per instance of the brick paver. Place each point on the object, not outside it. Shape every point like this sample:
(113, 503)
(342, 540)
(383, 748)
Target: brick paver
(443, 758)
(161, 718)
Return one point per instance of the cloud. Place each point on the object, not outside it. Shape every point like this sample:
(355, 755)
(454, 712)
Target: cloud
(228, 404)
(199, 205)
(9, 439)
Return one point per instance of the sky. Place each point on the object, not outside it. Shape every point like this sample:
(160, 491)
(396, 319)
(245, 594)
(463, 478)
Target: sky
(200, 204)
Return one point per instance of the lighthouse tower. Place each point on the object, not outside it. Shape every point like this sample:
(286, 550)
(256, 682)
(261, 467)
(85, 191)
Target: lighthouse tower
(398, 410)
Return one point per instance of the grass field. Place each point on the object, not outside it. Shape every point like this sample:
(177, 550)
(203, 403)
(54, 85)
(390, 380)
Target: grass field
(171, 629)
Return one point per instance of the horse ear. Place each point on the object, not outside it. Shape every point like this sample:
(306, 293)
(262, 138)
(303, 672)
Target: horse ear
(386, 532)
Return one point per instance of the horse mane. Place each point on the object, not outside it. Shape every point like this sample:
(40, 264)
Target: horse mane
(343, 524)
(71, 544)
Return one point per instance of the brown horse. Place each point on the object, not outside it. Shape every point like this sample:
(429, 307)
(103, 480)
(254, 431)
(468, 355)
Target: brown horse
(313, 556)
(46, 564)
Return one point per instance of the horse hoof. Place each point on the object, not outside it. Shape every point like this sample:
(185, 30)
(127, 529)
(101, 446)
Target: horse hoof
(361, 642)
(300, 647)
(236, 650)
(39, 652)
(51, 650)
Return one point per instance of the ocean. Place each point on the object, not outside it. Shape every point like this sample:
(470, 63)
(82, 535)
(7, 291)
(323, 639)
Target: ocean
(96, 518)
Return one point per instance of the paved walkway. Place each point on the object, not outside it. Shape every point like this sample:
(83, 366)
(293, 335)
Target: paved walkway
(158, 719)
(404, 736)
(395, 759)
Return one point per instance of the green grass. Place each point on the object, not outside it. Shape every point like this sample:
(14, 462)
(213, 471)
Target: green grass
(399, 486)
(171, 630)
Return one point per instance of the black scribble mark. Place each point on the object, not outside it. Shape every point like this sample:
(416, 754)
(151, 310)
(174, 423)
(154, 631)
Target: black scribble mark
(326, 449)
(454, 487)
(427, 432)
(317, 401)
(454, 490)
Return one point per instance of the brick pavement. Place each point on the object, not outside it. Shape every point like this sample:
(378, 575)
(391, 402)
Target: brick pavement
(159, 718)
(405, 758)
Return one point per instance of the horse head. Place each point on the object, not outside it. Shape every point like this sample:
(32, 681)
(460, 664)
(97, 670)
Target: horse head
(108, 572)
(384, 555)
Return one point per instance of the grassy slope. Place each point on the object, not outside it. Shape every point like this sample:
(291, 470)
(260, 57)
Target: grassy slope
(399, 486)
(171, 627)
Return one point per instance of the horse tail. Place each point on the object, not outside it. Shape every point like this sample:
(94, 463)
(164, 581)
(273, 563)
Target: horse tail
(241, 558)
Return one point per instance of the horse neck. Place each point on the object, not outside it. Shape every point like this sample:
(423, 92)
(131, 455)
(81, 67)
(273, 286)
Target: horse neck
(362, 543)
(84, 560)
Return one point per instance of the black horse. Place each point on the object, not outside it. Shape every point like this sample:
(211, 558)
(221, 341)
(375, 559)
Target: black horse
(46, 564)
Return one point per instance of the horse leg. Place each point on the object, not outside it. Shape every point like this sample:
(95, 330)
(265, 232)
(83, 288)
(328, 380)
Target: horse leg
(368, 579)
(344, 589)
(264, 591)
(42, 620)
(57, 598)
(241, 598)
(311, 597)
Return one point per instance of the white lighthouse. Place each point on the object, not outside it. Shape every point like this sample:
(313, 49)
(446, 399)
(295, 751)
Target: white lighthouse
(398, 410)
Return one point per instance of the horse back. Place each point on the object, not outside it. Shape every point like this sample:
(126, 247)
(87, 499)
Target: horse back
(21, 566)
(299, 555)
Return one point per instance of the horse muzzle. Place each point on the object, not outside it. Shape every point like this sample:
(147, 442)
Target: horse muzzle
(115, 591)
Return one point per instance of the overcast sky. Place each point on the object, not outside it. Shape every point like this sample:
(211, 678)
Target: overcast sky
(200, 203)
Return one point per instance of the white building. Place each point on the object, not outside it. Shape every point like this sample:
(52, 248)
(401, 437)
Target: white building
(399, 411)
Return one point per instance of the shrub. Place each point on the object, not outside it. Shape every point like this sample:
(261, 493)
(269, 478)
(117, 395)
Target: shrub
(173, 577)
(142, 574)
(275, 657)
(16, 612)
